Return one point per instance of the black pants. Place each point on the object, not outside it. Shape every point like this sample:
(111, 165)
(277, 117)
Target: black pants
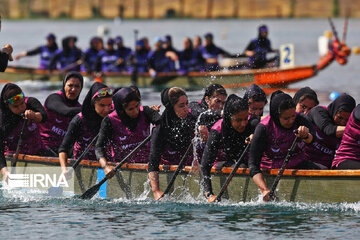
(349, 164)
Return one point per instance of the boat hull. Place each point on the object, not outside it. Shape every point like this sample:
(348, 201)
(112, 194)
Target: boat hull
(313, 186)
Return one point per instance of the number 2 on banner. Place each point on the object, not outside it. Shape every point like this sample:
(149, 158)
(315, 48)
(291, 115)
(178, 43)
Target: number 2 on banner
(287, 55)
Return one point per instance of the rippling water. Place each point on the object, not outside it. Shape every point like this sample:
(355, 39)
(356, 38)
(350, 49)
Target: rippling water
(31, 216)
(40, 217)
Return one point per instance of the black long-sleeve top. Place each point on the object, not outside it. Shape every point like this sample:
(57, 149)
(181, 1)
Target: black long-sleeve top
(56, 103)
(260, 141)
(106, 130)
(232, 146)
(322, 119)
(178, 138)
(73, 133)
(4, 58)
(13, 120)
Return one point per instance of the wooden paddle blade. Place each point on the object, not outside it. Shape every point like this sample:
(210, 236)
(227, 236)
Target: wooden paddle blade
(91, 191)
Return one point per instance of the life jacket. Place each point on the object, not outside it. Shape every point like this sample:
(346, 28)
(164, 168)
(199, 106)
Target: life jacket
(322, 150)
(31, 140)
(350, 144)
(278, 143)
(124, 141)
(54, 129)
(45, 56)
(83, 142)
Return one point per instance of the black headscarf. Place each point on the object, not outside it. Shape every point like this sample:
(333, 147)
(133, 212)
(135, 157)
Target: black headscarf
(121, 97)
(91, 118)
(209, 91)
(179, 131)
(344, 102)
(9, 120)
(255, 90)
(65, 45)
(279, 101)
(66, 78)
(308, 93)
(168, 114)
(232, 138)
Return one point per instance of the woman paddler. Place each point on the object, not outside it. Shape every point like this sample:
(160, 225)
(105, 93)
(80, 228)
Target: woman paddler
(171, 138)
(227, 135)
(348, 154)
(61, 107)
(305, 99)
(273, 137)
(84, 127)
(329, 125)
(208, 112)
(125, 128)
(15, 107)
(256, 98)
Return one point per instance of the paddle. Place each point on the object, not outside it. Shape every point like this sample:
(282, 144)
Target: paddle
(228, 180)
(77, 162)
(57, 191)
(280, 173)
(72, 65)
(13, 163)
(180, 166)
(94, 189)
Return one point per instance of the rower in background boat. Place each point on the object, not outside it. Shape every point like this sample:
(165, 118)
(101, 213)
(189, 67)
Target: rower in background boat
(190, 59)
(15, 107)
(305, 99)
(125, 128)
(257, 100)
(273, 137)
(85, 126)
(5, 56)
(160, 60)
(123, 53)
(211, 53)
(258, 49)
(61, 107)
(90, 55)
(228, 137)
(329, 125)
(107, 60)
(171, 138)
(47, 52)
(67, 56)
(348, 154)
(197, 43)
(139, 58)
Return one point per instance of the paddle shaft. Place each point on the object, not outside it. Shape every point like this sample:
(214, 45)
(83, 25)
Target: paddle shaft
(13, 164)
(229, 178)
(94, 189)
(180, 166)
(283, 166)
(77, 162)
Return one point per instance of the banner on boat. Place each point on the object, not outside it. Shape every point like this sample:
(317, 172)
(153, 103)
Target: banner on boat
(41, 178)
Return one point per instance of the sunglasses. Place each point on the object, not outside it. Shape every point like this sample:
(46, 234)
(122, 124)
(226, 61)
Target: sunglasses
(15, 98)
(103, 92)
